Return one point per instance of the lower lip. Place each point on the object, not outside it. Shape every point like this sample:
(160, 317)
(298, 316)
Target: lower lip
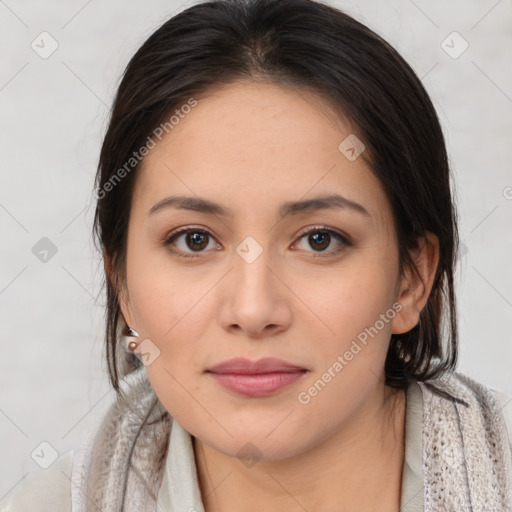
(260, 384)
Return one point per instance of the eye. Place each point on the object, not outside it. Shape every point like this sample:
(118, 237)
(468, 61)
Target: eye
(321, 237)
(190, 238)
(195, 240)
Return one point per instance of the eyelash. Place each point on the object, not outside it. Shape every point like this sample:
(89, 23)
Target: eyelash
(345, 241)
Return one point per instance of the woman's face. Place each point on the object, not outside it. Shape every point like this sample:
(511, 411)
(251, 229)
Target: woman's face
(256, 280)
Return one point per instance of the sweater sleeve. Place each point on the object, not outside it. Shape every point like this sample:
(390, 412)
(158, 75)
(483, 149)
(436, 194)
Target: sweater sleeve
(48, 490)
(505, 400)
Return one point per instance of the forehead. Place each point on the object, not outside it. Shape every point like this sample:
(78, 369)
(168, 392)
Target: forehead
(250, 142)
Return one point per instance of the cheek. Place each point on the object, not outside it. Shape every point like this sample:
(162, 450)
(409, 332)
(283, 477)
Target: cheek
(357, 308)
(349, 361)
(352, 297)
(167, 298)
(173, 317)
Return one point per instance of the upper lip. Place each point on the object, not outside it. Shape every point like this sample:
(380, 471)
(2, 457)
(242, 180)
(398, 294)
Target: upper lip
(245, 366)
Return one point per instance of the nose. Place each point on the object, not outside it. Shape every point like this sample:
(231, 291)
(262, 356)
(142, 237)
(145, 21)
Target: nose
(256, 301)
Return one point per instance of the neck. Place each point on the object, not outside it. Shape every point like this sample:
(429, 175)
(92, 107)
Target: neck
(334, 474)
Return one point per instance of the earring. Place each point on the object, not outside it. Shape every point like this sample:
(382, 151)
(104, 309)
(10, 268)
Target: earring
(131, 344)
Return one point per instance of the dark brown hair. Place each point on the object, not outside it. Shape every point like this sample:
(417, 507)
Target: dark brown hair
(310, 46)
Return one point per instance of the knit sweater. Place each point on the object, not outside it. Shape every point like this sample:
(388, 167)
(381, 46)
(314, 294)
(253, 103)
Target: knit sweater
(460, 465)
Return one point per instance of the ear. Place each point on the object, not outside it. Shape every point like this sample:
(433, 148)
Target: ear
(123, 296)
(414, 292)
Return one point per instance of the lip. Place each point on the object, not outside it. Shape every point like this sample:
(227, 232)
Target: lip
(248, 367)
(256, 378)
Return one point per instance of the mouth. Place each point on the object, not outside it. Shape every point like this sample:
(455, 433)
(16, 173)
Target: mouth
(259, 378)
(260, 384)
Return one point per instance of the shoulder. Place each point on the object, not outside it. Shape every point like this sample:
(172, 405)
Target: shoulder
(485, 401)
(505, 401)
(45, 491)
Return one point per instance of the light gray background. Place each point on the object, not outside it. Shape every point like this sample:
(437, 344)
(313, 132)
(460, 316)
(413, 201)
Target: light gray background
(53, 114)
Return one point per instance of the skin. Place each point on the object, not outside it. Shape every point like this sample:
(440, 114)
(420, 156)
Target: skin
(251, 147)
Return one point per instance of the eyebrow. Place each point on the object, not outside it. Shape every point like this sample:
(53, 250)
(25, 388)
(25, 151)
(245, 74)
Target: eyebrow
(202, 205)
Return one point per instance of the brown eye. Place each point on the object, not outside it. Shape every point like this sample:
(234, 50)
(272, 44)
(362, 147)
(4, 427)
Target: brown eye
(189, 241)
(196, 240)
(320, 239)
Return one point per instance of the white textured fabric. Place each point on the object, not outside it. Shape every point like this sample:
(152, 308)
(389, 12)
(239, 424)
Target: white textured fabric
(466, 454)
(81, 463)
(411, 499)
(120, 468)
(457, 458)
(180, 488)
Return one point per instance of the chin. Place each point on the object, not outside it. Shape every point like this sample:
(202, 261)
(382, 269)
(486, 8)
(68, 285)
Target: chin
(259, 446)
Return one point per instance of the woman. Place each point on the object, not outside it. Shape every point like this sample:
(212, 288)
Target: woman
(279, 237)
